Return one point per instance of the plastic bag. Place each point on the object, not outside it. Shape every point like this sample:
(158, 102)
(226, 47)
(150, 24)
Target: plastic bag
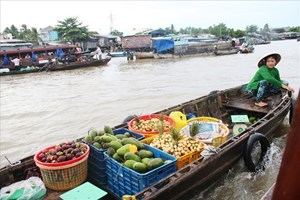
(32, 188)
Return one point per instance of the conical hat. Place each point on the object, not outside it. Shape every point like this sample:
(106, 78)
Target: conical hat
(264, 59)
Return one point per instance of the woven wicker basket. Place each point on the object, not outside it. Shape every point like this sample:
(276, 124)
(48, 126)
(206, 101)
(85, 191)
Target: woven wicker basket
(65, 176)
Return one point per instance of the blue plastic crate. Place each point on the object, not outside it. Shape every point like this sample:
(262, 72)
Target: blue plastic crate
(96, 160)
(125, 181)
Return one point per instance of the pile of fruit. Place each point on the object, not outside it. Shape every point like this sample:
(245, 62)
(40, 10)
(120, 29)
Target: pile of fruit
(176, 144)
(150, 125)
(104, 138)
(133, 155)
(63, 152)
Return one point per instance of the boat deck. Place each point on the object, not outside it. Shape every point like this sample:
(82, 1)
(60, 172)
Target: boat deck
(248, 103)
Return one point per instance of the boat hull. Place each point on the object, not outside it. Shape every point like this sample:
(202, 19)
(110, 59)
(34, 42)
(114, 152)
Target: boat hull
(61, 67)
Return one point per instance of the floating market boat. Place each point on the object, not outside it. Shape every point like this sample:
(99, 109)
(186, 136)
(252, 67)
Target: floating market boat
(233, 107)
(226, 52)
(46, 58)
(117, 54)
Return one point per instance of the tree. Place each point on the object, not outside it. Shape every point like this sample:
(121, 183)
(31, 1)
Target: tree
(251, 29)
(116, 33)
(70, 30)
(218, 30)
(295, 29)
(13, 30)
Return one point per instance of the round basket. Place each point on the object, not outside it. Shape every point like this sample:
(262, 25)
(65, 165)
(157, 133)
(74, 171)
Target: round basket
(148, 117)
(217, 139)
(64, 175)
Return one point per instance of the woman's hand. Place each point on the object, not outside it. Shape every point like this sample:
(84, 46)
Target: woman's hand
(287, 88)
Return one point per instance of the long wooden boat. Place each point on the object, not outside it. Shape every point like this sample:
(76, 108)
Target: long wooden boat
(201, 173)
(117, 54)
(143, 55)
(226, 52)
(59, 67)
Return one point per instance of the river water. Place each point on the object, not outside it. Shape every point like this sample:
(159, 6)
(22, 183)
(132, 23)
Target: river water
(42, 109)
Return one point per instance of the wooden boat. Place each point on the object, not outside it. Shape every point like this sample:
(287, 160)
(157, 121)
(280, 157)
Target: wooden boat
(187, 181)
(247, 50)
(143, 55)
(226, 52)
(59, 67)
(117, 54)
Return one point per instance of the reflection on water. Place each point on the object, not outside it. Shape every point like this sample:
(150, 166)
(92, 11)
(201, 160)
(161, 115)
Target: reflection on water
(42, 109)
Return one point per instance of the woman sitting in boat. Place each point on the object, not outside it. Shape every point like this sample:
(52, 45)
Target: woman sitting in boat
(266, 80)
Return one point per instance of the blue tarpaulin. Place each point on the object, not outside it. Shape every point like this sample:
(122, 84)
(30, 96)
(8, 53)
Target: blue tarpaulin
(162, 44)
(33, 57)
(5, 60)
(59, 52)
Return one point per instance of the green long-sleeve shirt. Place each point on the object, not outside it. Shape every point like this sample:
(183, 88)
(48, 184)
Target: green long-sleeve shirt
(265, 73)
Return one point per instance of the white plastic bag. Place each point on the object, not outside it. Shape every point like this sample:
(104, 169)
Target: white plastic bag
(32, 188)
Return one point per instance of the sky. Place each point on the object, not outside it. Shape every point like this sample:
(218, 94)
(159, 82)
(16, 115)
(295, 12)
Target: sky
(125, 16)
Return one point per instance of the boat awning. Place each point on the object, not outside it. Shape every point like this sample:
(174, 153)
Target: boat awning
(162, 44)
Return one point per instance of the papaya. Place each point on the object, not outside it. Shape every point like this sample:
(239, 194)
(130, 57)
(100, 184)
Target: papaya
(129, 141)
(154, 163)
(97, 145)
(93, 133)
(146, 160)
(97, 138)
(139, 167)
(140, 145)
(132, 156)
(129, 163)
(117, 157)
(105, 145)
(88, 139)
(108, 129)
(111, 151)
(127, 134)
(101, 132)
(106, 138)
(126, 148)
(120, 136)
(115, 144)
(143, 153)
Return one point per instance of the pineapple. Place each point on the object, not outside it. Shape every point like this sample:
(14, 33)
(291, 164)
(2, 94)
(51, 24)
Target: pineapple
(176, 136)
(194, 129)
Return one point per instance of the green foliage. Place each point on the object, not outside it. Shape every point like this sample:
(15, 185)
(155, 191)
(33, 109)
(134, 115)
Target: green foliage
(24, 33)
(70, 30)
(279, 30)
(252, 29)
(116, 33)
(295, 29)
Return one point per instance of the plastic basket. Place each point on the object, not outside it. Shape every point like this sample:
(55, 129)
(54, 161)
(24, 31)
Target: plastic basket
(182, 160)
(64, 175)
(125, 181)
(148, 117)
(96, 163)
(215, 141)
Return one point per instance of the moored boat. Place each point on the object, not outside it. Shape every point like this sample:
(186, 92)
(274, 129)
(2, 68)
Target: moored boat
(226, 52)
(117, 54)
(202, 172)
(59, 66)
(143, 55)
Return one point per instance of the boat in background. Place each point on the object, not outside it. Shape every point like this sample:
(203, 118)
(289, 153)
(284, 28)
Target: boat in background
(218, 52)
(117, 54)
(48, 58)
(11, 44)
(143, 55)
